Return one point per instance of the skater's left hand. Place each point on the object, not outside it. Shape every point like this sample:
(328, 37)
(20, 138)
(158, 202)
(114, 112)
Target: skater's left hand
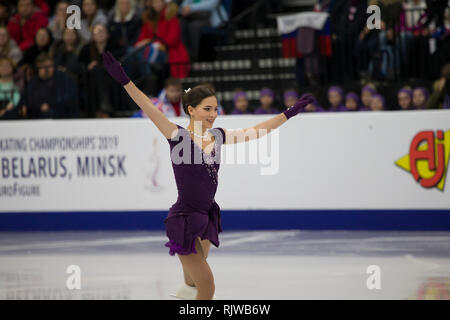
(300, 105)
(114, 68)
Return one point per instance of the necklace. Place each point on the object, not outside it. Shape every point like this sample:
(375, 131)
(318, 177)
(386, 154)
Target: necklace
(199, 136)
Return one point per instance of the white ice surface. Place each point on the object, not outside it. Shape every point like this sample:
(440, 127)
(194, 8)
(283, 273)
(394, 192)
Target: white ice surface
(290, 264)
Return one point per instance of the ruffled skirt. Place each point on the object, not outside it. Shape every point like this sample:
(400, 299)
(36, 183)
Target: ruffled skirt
(183, 228)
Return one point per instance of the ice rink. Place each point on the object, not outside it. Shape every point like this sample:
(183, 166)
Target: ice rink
(288, 264)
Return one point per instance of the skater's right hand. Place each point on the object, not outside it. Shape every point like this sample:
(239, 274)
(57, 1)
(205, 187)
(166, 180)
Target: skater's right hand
(114, 68)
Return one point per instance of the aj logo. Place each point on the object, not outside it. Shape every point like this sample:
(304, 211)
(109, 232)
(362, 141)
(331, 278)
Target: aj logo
(427, 160)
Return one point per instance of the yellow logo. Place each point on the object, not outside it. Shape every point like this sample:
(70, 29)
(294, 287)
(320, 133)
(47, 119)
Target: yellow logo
(427, 160)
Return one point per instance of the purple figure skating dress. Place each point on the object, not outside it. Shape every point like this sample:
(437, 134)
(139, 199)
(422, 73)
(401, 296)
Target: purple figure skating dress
(195, 213)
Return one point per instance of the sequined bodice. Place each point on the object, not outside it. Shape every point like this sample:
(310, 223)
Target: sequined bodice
(196, 181)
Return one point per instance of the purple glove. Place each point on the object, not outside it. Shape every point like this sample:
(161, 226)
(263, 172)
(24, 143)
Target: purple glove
(299, 106)
(114, 68)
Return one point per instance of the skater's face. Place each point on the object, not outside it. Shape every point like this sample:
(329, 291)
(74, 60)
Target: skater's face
(350, 104)
(376, 104)
(418, 98)
(266, 101)
(241, 103)
(205, 111)
(366, 96)
(173, 93)
(334, 98)
(290, 101)
(404, 100)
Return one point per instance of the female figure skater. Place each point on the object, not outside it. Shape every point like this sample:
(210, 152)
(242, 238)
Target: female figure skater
(193, 222)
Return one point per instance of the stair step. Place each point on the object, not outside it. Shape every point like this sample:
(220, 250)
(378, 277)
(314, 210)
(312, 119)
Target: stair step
(243, 77)
(243, 64)
(260, 33)
(252, 46)
(227, 96)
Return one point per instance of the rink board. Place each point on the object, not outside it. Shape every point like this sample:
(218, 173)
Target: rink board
(317, 171)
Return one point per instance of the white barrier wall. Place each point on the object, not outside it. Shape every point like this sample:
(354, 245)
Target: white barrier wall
(316, 161)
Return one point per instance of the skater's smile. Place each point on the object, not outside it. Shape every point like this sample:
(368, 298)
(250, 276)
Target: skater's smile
(206, 112)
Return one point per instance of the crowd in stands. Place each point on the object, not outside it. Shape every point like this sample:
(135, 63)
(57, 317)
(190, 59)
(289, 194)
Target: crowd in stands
(368, 99)
(48, 70)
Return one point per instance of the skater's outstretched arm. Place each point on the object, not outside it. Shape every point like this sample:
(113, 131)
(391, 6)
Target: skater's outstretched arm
(158, 118)
(261, 129)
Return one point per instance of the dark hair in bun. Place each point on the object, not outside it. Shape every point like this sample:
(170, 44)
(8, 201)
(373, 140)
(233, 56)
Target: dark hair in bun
(194, 96)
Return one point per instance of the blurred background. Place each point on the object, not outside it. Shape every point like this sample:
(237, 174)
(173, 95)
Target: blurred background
(49, 71)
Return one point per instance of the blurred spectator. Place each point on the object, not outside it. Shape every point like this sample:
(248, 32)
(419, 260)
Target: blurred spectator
(57, 23)
(440, 98)
(51, 93)
(240, 103)
(409, 16)
(435, 12)
(390, 11)
(8, 47)
(65, 52)
(404, 97)
(377, 102)
(91, 16)
(124, 24)
(106, 5)
(91, 53)
(103, 93)
(168, 100)
(367, 45)
(413, 9)
(314, 107)
(23, 26)
(375, 48)
(420, 97)
(196, 15)
(43, 41)
(348, 18)
(335, 99)
(266, 99)
(42, 6)
(161, 32)
(352, 102)
(5, 12)
(290, 97)
(366, 96)
(9, 93)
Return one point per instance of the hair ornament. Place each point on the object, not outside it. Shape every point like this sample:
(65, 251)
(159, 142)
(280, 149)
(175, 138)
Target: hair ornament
(186, 91)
